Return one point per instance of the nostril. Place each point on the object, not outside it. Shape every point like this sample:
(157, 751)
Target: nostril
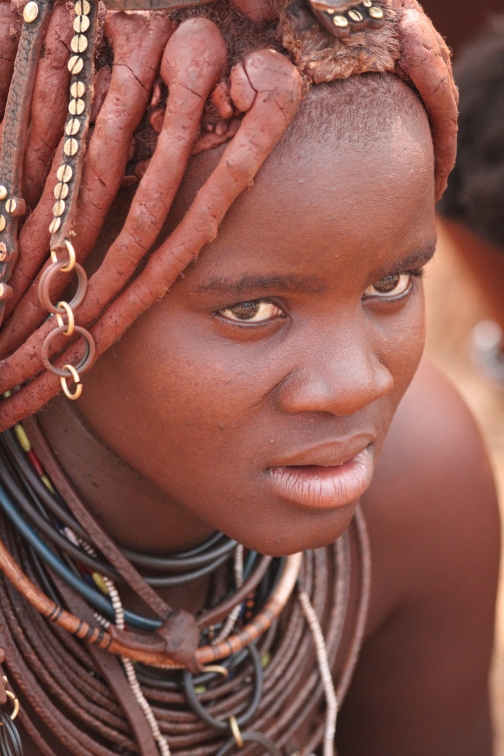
(341, 389)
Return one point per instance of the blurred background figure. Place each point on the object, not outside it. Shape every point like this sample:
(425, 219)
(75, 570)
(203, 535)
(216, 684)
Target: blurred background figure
(465, 282)
(473, 206)
(460, 21)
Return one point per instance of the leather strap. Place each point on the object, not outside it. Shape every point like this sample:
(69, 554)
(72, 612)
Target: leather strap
(113, 673)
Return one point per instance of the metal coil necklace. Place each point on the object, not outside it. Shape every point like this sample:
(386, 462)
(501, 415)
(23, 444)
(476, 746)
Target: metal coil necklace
(274, 626)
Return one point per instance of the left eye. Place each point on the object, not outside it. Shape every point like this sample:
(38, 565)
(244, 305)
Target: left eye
(258, 311)
(390, 286)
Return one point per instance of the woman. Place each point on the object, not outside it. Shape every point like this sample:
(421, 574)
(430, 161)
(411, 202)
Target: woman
(253, 400)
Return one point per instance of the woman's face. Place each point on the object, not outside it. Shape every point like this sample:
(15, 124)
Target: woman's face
(258, 393)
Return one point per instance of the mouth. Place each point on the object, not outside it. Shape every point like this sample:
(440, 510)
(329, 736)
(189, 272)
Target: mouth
(324, 486)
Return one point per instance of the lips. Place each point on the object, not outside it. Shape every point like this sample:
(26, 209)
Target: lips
(322, 484)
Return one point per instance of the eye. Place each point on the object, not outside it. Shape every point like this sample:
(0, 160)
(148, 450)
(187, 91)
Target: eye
(258, 311)
(390, 287)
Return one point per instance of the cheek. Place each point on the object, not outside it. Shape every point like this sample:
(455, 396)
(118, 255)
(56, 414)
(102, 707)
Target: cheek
(409, 340)
(168, 375)
(171, 399)
(400, 344)
(197, 415)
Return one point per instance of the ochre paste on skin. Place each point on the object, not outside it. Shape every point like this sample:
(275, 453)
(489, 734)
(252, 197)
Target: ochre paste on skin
(192, 61)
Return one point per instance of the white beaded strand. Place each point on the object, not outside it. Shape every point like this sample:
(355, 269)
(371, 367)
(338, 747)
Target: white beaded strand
(117, 606)
(164, 748)
(325, 673)
(235, 613)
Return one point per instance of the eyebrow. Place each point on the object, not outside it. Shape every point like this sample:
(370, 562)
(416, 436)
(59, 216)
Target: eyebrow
(251, 284)
(416, 259)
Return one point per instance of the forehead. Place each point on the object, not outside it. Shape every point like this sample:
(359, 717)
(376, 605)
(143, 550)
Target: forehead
(348, 182)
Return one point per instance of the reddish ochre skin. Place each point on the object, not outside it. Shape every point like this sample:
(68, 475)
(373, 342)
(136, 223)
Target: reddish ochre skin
(256, 10)
(192, 64)
(179, 423)
(277, 87)
(424, 57)
(278, 93)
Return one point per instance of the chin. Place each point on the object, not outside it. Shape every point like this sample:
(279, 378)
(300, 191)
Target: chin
(318, 530)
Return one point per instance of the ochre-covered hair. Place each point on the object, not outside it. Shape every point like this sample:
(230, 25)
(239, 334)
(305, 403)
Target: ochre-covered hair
(97, 99)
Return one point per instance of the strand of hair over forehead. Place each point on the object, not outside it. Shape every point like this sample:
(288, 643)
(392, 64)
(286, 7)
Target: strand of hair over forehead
(256, 101)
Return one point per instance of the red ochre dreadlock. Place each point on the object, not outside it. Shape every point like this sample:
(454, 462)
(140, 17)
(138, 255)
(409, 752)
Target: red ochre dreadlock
(215, 94)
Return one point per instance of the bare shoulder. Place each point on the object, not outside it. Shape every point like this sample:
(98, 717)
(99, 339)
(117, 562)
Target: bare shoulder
(421, 683)
(432, 507)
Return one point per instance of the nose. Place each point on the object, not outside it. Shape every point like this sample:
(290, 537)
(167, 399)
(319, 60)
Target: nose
(340, 374)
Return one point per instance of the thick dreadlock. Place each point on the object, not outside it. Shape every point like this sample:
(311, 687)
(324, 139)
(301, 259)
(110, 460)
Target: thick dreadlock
(194, 78)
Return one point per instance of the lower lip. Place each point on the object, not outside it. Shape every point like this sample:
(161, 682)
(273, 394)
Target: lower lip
(324, 487)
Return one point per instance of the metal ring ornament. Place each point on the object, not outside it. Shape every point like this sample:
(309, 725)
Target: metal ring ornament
(250, 736)
(45, 283)
(223, 725)
(15, 703)
(71, 319)
(72, 258)
(233, 724)
(76, 380)
(85, 362)
(218, 669)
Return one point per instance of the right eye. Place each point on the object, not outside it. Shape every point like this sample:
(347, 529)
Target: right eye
(390, 286)
(257, 311)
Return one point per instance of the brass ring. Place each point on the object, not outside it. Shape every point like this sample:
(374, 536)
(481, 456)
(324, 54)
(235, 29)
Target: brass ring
(71, 319)
(233, 724)
(224, 725)
(72, 258)
(219, 669)
(45, 284)
(15, 702)
(83, 365)
(76, 380)
(249, 736)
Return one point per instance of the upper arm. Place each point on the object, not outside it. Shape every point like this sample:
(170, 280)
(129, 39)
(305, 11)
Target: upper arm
(421, 686)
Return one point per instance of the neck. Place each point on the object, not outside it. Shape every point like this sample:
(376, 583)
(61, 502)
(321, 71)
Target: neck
(134, 512)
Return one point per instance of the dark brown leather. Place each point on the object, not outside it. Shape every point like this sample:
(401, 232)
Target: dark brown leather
(113, 673)
(15, 134)
(181, 636)
(178, 638)
(138, 641)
